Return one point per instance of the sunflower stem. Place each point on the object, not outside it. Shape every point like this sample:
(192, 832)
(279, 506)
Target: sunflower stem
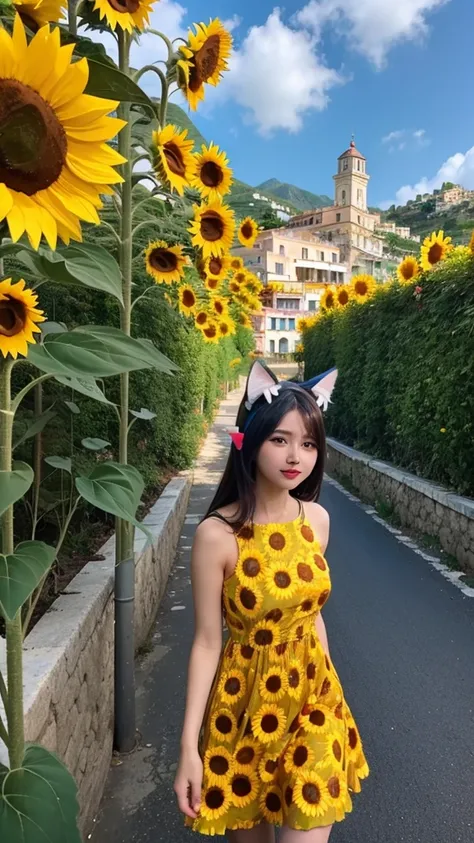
(144, 225)
(144, 201)
(72, 16)
(143, 295)
(16, 734)
(31, 385)
(163, 38)
(151, 68)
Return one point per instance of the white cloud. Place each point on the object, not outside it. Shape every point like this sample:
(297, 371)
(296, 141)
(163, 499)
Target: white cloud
(232, 23)
(372, 27)
(400, 139)
(277, 93)
(459, 168)
(393, 136)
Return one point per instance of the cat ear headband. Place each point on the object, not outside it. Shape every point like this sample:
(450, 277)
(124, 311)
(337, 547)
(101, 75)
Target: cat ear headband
(262, 381)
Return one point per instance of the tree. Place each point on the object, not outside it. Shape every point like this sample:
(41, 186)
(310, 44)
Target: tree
(269, 219)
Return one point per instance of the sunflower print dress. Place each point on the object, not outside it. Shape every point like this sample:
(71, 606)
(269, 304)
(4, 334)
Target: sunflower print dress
(279, 743)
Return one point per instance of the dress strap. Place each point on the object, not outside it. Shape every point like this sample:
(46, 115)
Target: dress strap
(215, 514)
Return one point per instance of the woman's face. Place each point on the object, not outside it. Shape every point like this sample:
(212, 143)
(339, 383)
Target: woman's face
(289, 455)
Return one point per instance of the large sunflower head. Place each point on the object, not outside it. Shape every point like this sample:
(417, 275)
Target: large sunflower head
(37, 13)
(187, 299)
(203, 60)
(219, 306)
(434, 249)
(213, 176)
(226, 327)
(126, 14)
(236, 263)
(19, 317)
(363, 286)
(210, 332)
(54, 160)
(165, 263)
(212, 284)
(173, 157)
(212, 228)
(343, 295)
(408, 270)
(247, 233)
(329, 298)
(217, 266)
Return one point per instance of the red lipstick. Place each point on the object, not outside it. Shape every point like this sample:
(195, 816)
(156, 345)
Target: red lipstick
(292, 473)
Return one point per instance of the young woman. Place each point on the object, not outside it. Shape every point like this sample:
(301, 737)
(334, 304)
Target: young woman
(268, 738)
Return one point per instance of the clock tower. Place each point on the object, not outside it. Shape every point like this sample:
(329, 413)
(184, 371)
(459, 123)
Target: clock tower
(351, 180)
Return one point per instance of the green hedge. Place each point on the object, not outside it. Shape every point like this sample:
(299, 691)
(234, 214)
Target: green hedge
(406, 374)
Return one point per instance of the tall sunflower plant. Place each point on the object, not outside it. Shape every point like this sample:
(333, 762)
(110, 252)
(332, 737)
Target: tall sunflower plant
(73, 125)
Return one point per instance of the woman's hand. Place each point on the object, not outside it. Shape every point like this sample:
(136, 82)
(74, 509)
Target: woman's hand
(188, 783)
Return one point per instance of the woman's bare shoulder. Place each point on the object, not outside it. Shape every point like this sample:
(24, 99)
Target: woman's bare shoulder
(320, 521)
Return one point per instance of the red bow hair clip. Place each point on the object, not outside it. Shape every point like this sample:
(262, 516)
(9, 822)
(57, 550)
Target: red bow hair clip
(236, 436)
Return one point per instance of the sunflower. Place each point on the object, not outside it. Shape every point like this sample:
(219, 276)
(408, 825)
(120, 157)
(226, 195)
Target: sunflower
(408, 270)
(218, 765)
(299, 756)
(363, 286)
(210, 332)
(244, 788)
(247, 754)
(212, 176)
(203, 60)
(273, 685)
(310, 794)
(268, 723)
(295, 679)
(212, 228)
(264, 634)
(316, 718)
(37, 13)
(268, 769)
(226, 327)
(223, 725)
(336, 789)
(219, 306)
(244, 654)
(434, 249)
(281, 580)
(302, 325)
(249, 599)
(232, 687)
(201, 318)
(187, 299)
(334, 748)
(236, 263)
(271, 805)
(212, 284)
(250, 566)
(19, 317)
(165, 263)
(215, 802)
(247, 232)
(240, 277)
(173, 158)
(55, 165)
(244, 320)
(329, 298)
(127, 15)
(234, 288)
(343, 296)
(217, 266)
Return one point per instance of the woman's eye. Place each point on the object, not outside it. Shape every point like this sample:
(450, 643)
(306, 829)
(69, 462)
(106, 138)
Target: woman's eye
(278, 439)
(311, 445)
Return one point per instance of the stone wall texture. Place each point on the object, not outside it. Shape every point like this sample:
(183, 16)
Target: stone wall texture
(69, 655)
(419, 504)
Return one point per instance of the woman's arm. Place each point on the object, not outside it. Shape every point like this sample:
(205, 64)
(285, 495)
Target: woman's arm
(322, 634)
(319, 518)
(207, 572)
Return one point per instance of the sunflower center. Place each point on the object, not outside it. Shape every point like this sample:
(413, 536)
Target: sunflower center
(300, 756)
(211, 174)
(130, 6)
(201, 318)
(163, 260)
(212, 226)
(241, 786)
(219, 765)
(214, 798)
(311, 793)
(215, 266)
(12, 317)
(435, 253)
(343, 297)
(188, 298)
(245, 755)
(232, 686)
(33, 143)
(361, 288)
(269, 723)
(224, 329)
(247, 230)
(174, 159)
(273, 802)
(205, 63)
(211, 332)
(219, 307)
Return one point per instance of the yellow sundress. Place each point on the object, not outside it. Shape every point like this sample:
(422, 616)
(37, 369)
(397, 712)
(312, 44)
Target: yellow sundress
(279, 743)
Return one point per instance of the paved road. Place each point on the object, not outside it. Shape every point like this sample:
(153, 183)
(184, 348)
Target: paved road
(402, 639)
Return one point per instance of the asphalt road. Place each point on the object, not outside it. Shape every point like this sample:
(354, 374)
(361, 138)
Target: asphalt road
(402, 639)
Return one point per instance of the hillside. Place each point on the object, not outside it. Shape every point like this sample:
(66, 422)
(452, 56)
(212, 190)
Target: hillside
(457, 221)
(304, 200)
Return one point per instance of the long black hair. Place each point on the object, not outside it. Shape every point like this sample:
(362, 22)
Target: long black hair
(237, 485)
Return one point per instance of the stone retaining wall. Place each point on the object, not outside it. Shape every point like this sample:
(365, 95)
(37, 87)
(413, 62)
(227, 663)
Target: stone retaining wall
(419, 504)
(68, 656)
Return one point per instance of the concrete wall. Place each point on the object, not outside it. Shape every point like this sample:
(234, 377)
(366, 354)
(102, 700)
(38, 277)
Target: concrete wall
(68, 656)
(419, 504)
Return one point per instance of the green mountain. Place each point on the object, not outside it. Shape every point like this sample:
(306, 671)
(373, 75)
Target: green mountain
(456, 221)
(304, 200)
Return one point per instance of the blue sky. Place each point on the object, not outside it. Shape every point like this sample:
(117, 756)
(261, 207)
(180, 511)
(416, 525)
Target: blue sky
(306, 75)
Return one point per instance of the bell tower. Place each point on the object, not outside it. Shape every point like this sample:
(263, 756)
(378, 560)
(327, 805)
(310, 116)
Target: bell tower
(351, 179)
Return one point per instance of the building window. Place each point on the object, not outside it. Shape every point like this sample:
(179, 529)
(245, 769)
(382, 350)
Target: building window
(358, 219)
(358, 165)
(334, 257)
(311, 220)
(273, 323)
(272, 346)
(343, 195)
(282, 325)
(291, 324)
(346, 164)
(338, 218)
(279, 269)
(333, 276)
(304, 254)
(259, 259)
(283, 346)
(321, 255)
(330, 236)
(282, 250)
(288, 304)
(312, 305)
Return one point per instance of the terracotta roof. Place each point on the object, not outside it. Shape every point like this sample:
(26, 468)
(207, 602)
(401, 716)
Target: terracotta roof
(352, 152)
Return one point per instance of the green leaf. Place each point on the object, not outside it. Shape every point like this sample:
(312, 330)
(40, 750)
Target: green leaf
(144, 349)
(144, 414)
(115, 488)
(86, 387)
(93, 266)
(109, 82)
(38, 802)
(72, 407)
(14, 484)
(63, 463)
(21, 572)
(91, 355)
(84, 47)
(95, 444)
(53, 328)
(36, 427)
